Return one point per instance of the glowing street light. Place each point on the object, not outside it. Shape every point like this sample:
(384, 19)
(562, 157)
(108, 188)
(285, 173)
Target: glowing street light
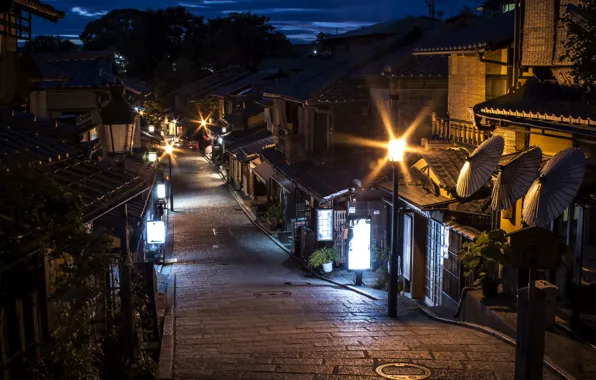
(152, 156)
(152, 128)
(395, 149)
(203, 123)
(169, 150)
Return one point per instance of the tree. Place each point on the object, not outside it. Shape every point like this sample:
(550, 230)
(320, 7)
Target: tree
(49, 220)
(50, 44)
(581, 46)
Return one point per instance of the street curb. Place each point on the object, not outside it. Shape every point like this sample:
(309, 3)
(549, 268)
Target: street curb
(166, 352)
(502, 337)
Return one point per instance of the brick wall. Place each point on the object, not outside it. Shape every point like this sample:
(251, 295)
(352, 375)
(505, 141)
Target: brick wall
(414, 110)
(467, 86)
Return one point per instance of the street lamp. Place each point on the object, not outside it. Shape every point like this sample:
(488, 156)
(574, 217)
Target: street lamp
(152, 156)
(169, 152)
(396, 149)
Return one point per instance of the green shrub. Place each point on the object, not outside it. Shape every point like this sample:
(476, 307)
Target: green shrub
(322, 256)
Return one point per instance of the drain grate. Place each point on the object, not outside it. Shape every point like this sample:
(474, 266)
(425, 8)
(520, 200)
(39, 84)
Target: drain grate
(272, 294)
(298, 283)
(403, 371)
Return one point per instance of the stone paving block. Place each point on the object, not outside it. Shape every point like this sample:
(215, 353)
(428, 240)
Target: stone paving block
(355, 370)
(452, 374)
(360, 362)
(400, 354)
(304, 368)
(276, 376)
(489, 365)
(492, 356)
(449, 355)
(451, 364)
(343, 377)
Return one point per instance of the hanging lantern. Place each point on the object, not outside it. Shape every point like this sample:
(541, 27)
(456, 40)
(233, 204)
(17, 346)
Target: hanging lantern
(118, 118)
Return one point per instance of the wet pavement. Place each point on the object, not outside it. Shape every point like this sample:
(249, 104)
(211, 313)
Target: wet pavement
(245, 310)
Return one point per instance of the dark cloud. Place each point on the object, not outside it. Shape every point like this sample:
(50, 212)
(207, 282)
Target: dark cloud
(301, 20)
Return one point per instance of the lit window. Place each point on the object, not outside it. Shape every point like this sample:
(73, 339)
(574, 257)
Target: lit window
(324, 225)
(508, 8)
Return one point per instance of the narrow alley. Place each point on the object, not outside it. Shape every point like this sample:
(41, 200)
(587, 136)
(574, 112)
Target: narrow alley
(246, 310)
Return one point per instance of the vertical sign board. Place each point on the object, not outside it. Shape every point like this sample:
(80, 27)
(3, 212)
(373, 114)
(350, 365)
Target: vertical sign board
(325, 225)
(149, 320)
(156, 232)
(359, 244)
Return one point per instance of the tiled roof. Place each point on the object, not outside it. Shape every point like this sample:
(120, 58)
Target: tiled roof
(419, 66)
(251, 144)
(469, 232)
(208, 85)
(43, 126)
(392, 27)
(325, 181)
(483, 34)
(309, 83)
(256, 79)
(145, 173)
(15, 143)
(273, 156)
(446, 164)
(537, 100)
(101, 186)
(73, 70)
(41, 9)
(418, 196)
(347, 90)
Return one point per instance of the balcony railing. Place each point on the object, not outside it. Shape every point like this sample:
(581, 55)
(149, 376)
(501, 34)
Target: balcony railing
(464, 132)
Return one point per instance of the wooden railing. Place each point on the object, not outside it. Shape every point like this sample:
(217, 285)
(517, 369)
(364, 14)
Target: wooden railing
(460, 131)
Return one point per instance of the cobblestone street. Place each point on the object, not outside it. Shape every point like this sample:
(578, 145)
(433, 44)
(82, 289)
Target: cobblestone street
(245, 310)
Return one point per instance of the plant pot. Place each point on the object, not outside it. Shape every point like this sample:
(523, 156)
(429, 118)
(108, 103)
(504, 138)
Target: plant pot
(328, 267)
(490, 288)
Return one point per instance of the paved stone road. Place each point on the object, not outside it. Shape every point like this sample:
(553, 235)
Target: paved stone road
(245, 310)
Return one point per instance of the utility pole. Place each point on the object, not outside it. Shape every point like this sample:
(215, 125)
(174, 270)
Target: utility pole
(431, 10)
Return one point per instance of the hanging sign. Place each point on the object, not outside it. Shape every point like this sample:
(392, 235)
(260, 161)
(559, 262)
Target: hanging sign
(156, 232)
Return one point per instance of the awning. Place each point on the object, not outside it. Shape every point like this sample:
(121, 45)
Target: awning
(264, 171)
(284, 182)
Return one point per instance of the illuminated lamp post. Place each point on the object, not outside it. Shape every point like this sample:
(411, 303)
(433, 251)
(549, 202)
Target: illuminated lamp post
(169, 152)
(396, 150)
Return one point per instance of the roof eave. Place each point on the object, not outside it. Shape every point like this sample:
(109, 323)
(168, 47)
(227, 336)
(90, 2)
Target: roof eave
(47, 12)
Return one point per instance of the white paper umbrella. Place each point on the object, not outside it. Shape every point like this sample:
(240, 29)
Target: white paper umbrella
(556, 187)
(515, 178)
(480, 166)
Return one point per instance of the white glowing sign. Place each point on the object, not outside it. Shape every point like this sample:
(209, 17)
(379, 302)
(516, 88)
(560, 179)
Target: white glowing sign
(324, 225)
(156, 232)
(152, 128)
(152, 156)
(359, 245)
(161, 190)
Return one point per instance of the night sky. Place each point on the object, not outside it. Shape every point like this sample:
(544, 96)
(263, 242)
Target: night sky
(300, 20)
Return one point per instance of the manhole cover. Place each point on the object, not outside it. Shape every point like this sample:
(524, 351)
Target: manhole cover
(403, 371)
(272, 294)
(298, 283)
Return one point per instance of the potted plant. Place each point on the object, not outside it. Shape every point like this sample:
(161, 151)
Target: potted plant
(482, 257)
(323, 257)
(274, 215)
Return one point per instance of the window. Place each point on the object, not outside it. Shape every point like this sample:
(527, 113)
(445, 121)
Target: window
(325, 225)
(436, 250)
(507, 7)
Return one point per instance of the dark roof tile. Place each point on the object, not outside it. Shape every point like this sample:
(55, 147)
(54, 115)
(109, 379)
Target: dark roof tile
(446, 164)
(481, 34)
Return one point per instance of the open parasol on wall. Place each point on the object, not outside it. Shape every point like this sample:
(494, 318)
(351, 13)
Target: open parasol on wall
(553, 191)
(515, 178)
(480, 166)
